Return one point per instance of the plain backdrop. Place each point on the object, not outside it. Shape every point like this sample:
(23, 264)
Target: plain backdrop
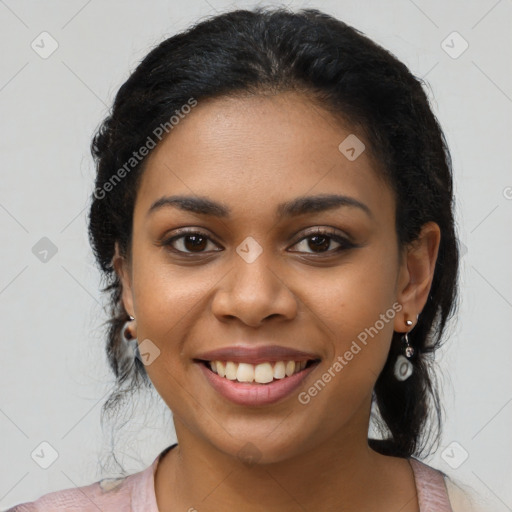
(54, 375)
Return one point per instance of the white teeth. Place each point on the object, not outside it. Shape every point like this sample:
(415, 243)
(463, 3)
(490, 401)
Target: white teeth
(279, 370)
(221, 368)
(290, 368)
(262, 373)
(245, 372)
(231, 369)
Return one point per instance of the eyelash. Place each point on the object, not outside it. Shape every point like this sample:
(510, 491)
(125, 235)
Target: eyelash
(345, 244)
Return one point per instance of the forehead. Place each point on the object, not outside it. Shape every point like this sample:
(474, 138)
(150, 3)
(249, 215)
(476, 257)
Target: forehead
(254, 152)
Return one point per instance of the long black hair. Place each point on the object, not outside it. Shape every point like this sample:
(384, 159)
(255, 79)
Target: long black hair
(270, 50)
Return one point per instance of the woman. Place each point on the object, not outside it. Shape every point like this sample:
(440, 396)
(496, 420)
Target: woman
(274, 209)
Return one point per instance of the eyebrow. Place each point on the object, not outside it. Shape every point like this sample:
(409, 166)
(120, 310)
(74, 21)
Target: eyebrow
(295, 207)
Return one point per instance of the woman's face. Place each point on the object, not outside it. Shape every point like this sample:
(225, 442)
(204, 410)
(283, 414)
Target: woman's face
(263, 271)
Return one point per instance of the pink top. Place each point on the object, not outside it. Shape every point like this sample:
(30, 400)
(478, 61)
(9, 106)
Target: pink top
(136, 493)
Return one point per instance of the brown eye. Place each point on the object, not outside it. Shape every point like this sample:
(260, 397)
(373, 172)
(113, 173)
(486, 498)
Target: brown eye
(189, 242)
(320, 242)
(194, 242)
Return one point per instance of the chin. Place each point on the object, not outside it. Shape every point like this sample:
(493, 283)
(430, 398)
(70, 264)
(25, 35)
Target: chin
(253, 446)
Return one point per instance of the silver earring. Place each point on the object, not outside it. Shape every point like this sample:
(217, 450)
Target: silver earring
(403, 367)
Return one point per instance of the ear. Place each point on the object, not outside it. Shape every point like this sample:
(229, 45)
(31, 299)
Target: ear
(416, 274)
(123, 270)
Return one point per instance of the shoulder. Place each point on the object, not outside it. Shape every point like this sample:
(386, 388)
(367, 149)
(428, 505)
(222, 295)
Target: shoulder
(133, 492)
(88, 498)
(436, 487)
(462, 497)
(430, 487)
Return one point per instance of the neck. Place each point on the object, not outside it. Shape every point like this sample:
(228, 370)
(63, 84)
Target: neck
(340, 473)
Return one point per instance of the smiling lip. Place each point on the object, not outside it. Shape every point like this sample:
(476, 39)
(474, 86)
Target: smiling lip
(242, 393)
(256, 355)
(255, 394)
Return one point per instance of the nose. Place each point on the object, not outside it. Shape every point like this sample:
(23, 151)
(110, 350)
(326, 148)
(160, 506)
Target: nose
(254, 293)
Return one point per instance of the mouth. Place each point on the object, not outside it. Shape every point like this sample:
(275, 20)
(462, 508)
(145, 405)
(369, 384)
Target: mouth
(261, 373)
(256, 376)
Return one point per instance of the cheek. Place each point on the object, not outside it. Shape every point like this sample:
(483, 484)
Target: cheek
(168, 302)
(353, 295)
(354, 303)
(167, 294)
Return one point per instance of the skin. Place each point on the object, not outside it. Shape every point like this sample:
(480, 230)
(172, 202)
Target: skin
(251, 154)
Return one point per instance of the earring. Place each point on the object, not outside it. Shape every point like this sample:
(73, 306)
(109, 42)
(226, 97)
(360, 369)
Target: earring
(125, 333)
(404, 367)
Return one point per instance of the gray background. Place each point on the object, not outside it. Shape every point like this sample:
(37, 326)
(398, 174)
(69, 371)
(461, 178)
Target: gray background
(54, 377)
